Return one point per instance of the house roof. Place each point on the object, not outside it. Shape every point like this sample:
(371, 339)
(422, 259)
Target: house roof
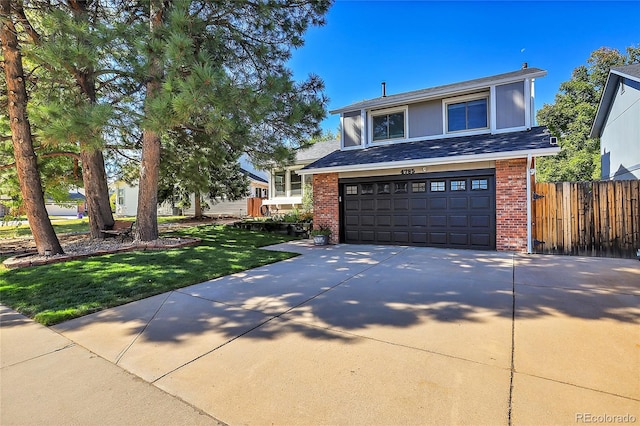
(631, 72)
(448, 89)
(439, 151)
(317, 150)
(253, 176)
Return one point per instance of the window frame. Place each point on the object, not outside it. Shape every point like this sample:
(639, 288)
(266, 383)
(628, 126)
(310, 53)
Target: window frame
(387, 111)
(465, 99)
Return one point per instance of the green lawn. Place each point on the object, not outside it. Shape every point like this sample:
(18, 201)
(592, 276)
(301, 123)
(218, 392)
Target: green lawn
(64, 226)
(58, 292)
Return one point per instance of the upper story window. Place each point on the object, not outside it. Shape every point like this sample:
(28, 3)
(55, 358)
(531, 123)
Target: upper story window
(467, 114)
(388, 124)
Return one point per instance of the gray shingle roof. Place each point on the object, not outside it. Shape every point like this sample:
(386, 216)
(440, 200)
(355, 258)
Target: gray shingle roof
(422, 94)
(632, 70)
(528, 140)
(317, 150)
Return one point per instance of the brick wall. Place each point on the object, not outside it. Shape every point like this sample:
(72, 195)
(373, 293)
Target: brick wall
(326, 208)
(511, 205)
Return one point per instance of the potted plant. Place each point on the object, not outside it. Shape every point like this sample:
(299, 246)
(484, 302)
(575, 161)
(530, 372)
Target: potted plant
(321, 235)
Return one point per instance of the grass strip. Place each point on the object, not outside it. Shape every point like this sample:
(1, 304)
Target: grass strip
(54, 293)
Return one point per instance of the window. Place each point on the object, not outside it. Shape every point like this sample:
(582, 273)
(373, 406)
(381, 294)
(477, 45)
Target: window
(384, 188)
(479, 184)
(280, 183)
(401, 187)
(419, 187)
(296, 183)
(366, 189)
(121, 196)
(351, 189)
(390, 125)
(458, 185)
(467, 115)
(437, 186)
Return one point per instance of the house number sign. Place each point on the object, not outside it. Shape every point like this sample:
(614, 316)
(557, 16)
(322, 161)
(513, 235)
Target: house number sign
(407, 171)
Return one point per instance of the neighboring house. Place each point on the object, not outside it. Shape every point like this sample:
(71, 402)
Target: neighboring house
(127, 198)
(286, 186)
(617, 124)
(449, 166)
(76, 204)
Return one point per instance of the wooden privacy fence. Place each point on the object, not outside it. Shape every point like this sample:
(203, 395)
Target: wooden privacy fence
(587, 218)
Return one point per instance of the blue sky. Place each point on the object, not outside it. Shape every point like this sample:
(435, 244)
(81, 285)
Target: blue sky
(413, 45)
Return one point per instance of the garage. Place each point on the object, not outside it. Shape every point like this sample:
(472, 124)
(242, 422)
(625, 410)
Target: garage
(452, 210)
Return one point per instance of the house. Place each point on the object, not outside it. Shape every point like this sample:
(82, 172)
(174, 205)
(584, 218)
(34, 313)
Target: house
(127, 198)
(448, 166)
(617, 124)
(75, 205)
(286, 186)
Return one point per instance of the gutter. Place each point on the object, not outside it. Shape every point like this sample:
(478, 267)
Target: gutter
(529, 230)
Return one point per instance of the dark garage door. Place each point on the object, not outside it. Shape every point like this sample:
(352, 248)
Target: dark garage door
(435, 210)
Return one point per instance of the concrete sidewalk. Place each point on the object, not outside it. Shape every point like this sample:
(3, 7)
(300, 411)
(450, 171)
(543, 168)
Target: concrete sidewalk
(46, 379)
(346, 335)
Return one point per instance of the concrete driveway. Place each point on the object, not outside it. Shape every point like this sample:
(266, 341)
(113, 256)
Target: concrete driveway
(390, 335)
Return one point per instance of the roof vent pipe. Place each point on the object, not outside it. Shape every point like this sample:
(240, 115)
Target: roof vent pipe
(384, 89)
(525, 65)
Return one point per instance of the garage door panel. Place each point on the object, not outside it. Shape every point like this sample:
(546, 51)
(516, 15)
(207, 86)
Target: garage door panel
(384, 236)
(401, 204)
(481, 202)
(459, 202)
(383, 220)
(384, 204)
(419, 220)
(367, 204)
(459, 221)
(352, 205)
(368, 236)
(351, 220)
(480, 221)
(480, 240)
(459, 239)
(401, 237)
(401, 220)
(418, 203)
(438, 221)
(440, 212)
(367, 220)
(438, 203)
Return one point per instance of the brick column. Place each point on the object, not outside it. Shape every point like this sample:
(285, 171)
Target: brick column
(511, 205)
(326, 208)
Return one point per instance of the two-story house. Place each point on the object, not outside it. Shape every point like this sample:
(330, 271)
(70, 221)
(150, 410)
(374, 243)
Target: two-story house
(448, 166)
(617, 124)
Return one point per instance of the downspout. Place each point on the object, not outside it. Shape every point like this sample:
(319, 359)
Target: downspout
(529, 233)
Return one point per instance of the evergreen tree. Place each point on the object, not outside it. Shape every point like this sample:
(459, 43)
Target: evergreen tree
(219, 69)
(25, 157)
(571, 116)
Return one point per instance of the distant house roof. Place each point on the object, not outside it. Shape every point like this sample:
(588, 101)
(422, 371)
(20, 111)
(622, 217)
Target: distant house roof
(316, 151)
(449, 150)
(630, 72)
(253, 176)
(434, 92)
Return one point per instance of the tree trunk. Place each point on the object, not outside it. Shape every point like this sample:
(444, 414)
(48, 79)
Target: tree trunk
(26, 163)
(147, 214)
(96, 191)
(94, 175)
(197, 205)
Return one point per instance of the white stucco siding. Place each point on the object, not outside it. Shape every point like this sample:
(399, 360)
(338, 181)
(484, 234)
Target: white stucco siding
(620, 139)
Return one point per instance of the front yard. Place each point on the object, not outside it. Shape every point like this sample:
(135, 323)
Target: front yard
(58, 292)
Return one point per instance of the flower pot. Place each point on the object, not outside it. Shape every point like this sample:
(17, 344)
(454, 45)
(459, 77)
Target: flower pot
(320, 240)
